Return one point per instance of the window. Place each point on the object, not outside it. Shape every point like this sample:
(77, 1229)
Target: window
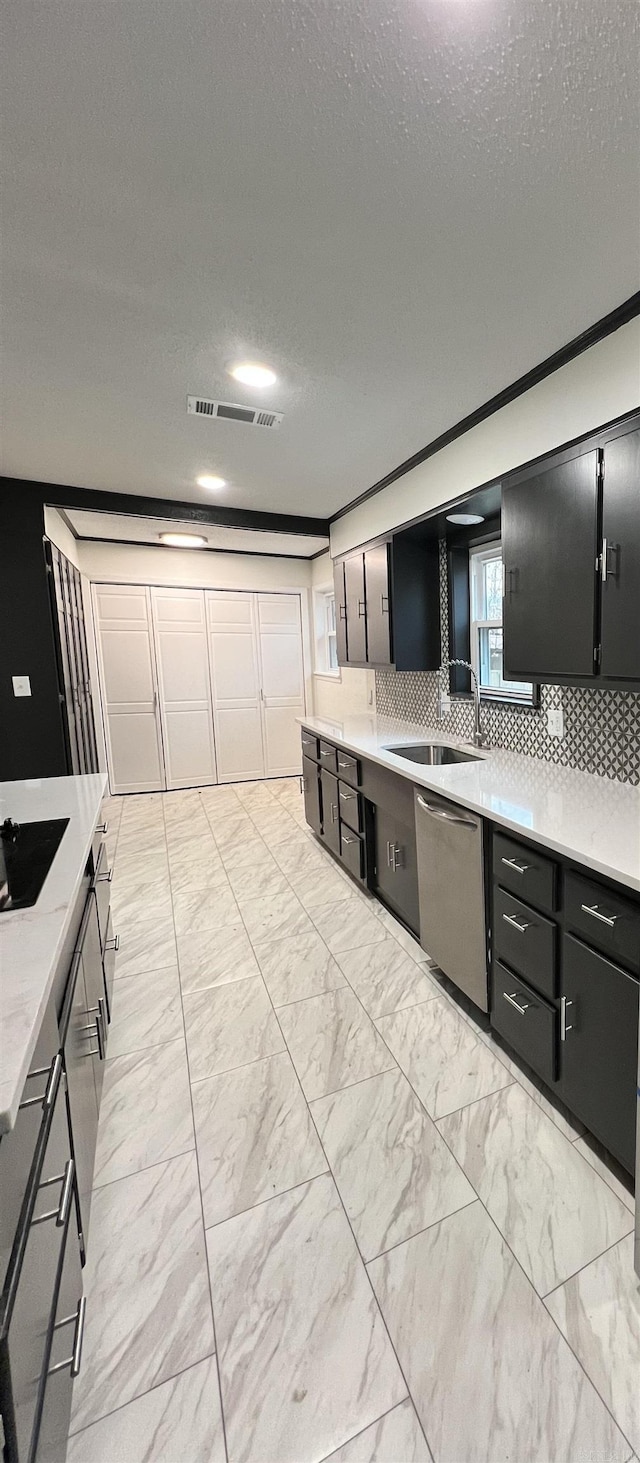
(326, 658)
(485, 582)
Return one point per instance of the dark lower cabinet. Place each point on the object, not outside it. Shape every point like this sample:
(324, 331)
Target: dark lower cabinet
(83, 1037)
(396, 870)
(311, 792)
(525, 1020)
(330, 810)
(620, 563)
(599, 1052)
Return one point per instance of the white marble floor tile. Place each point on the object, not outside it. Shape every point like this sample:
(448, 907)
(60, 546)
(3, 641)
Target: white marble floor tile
(599, 1313)
(297, 967)
(446, 1064)
(254, 881)
(332, 1042)
(347, 925)
(552, 1208)
(273, 917)
(250, 853)
(232, 828)
(179, 1420)
(298, 854)
(146, 1011)
(189, 872)
(254, 1136)
(196, 910)
(305, 1361)
(150, 944)
(394, 1172)
(215, 957)
(489, 1373)
(320, 886)
(608, 1169)
(228, 1026)
(386, 978)
(148, 1304)
(393, 927)
(395, 1438)
(145, 1113)
(146, 889)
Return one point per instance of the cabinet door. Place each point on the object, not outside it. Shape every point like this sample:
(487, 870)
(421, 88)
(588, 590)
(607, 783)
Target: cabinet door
(621, 559)
(235, 680)
(129, 688)
(311, 789)
(282, 680)
(183, 682)
(330, 810)
(376, 575)
(598, 1057)
(549, 546)
(396, 874)
(356, 609)
(341, 612)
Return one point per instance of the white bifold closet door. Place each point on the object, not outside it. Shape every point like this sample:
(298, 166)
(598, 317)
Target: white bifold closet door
(255, 643)
(129, 689)
(184, 690)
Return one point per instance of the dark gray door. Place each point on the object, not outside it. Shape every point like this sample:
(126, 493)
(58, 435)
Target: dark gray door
(356, 609)
(376, 574)
(341, 612)
(620, 566)
(549, 545)
(598, 1057)
(396, 873)
(330, 810)
(311, 788)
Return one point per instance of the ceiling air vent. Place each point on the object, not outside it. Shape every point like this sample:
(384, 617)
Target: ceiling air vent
(230, 411)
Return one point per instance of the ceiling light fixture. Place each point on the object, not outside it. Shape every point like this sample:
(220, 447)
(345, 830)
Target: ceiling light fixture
(209, 480)
(250, 373)
(465, 518)
(183, 540)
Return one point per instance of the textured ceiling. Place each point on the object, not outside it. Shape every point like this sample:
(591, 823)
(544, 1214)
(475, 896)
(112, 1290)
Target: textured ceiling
(401, 205)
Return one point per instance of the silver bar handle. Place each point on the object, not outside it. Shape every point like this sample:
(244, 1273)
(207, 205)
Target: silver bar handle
(334, 812)
(605, 919)
(75, 1360)
(362, 609)
(384, 604)
(113, 944)
(389, 863)
(104, 878)
(398, 857)
(441, 813)
(346, 839)
(512, 1002)
(348, 796)
(343, 611)
(103, 828)
(563, 1018)
(510, 919)
(48, 1096)
(517, 868)
(61, 1213)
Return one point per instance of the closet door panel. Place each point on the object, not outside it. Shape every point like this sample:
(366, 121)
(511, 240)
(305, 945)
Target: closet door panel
(280, 640)
(128, 688)
(235, 684)
(183, 684)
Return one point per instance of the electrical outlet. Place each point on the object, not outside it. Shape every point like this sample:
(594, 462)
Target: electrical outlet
(555, 722)
(21, 685)
(444, 707)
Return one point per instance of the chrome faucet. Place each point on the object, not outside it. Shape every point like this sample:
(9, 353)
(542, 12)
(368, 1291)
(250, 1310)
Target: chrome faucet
(479, 739)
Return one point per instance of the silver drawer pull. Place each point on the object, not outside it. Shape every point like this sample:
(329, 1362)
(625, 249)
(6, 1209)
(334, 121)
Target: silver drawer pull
(113, 944)
(512, 1002)
(349, 840)
(441, 813)
(510, 919)
(563, 1018)
(605, 919)
(517, 868)
(103, 828)
(75, 1360)
(60, 1214)
(46, 1101)
(347, 796)
(342, 763)
(104, 878)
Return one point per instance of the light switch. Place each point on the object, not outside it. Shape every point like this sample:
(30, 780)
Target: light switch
(21, 685)
(555, 722)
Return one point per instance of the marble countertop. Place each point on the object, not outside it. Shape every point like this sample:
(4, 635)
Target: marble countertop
(31, 940)
(591, 819)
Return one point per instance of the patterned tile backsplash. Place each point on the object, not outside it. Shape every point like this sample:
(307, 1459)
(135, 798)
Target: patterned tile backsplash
(601, 728)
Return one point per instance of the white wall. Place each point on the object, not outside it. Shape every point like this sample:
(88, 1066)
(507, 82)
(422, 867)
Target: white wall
(351, 692)
(599, 385)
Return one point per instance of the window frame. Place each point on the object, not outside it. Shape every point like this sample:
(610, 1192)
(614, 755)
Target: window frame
(480, 554)
(324, 634)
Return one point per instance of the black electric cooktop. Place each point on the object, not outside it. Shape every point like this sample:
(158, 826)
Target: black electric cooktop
(29, 850)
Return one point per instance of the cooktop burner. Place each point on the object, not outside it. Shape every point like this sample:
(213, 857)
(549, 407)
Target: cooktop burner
(27, 851)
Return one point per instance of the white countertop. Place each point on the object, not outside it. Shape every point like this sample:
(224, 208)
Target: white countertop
(31, 940)
(591, 819)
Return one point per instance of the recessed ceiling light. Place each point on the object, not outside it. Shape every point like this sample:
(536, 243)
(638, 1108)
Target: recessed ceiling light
(250, 373)
(183, 540)
(465, 518)
(210, 481)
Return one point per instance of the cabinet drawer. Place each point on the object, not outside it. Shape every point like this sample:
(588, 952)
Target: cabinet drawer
(329, 756)
(526, 941)
(604, 919)
(101, 885)
(309, 745)
(525, 872)
(351, 807)
(526, 1021)
(348, 768)
(352, 852)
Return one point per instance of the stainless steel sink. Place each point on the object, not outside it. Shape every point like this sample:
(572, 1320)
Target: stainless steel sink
(433, 754)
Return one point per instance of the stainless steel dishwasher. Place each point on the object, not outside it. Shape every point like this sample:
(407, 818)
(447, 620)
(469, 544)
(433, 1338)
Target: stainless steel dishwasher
(451, 891)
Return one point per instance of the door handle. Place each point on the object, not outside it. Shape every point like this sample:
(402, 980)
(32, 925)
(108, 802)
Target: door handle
(334, 812)
(594, 911)
(389, 862)
(342, 611)
(435, 812)
(362, 609)
(74, 1361)
(605, 571)
(512, 1002)
(397, 857)
(563, 1018)
(510, 919)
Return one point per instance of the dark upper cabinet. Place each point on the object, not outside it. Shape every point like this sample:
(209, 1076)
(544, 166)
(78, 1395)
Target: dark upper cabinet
(620, 559)
(378, 601)
(550, 545)
(356, 609)
(341, 611)
(392, 604)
